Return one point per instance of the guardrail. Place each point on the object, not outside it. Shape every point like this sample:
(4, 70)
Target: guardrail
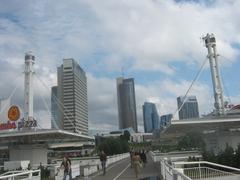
(194, 170)
(86, 166)
(168, 172)
(23, 175)
(208, 170)
(205, 173)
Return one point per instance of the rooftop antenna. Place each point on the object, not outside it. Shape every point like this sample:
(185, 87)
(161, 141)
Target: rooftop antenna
(122, 70)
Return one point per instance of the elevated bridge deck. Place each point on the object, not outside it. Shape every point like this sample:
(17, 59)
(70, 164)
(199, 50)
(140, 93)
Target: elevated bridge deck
(122, 171)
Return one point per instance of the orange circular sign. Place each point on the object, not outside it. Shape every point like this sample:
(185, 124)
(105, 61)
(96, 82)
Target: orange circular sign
(13, 113)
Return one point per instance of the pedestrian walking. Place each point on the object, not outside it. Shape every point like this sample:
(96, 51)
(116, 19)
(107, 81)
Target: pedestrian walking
(136, 163)
(66, 165)
(103, 159)
(144, 158)
(131, 155)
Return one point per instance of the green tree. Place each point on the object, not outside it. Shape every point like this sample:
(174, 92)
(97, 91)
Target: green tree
(191, 141)
(126, 135)
(237, 157)
(113, 146)
(209, 156)
(226, 157)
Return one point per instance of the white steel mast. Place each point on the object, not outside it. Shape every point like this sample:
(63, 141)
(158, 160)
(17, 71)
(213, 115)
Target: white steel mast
(28, 86)
(210, 43)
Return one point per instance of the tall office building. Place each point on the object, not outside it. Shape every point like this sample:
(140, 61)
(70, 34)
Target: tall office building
(165, 120)
(150, 117)
(126, 103)
(72, 107)
(189, 109)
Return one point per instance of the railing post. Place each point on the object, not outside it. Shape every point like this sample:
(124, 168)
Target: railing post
(30, 175)
(200, 174)
(175, 174)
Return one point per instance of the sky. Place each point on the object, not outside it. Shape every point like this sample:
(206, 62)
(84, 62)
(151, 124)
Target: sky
(157, 42)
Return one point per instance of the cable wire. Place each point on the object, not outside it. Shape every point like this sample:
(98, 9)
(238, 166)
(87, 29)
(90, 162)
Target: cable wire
(192, 83)
(60, 105)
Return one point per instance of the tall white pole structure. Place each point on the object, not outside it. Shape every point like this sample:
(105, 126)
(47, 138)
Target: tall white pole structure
(28, 86)
(210, 43)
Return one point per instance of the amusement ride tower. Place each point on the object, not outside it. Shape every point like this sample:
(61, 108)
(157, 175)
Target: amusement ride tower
(210, 43)
(28, 87)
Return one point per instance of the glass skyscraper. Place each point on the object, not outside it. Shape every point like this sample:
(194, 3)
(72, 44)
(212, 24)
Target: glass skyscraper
(189, 107)
(150, 117)
(165, 120)
(71, 102)
(126, 104)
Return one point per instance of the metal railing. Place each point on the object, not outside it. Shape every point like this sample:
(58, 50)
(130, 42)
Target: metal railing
(205, 173)
(168, 172)
(23, 175)
(195, 170)
(207, 170)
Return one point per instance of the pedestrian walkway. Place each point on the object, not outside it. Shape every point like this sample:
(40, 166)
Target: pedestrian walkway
(123, 171)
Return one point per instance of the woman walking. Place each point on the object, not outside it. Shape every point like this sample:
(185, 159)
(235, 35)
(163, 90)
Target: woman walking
(136, 163)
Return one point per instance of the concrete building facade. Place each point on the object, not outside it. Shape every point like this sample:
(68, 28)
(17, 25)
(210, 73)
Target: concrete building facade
(188, 107)
(71, 98)
(126, 104)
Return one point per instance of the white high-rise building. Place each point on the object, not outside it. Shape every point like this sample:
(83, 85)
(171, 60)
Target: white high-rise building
(72, 97)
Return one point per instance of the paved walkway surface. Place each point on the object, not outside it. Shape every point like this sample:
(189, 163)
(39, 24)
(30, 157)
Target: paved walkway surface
(122, 171)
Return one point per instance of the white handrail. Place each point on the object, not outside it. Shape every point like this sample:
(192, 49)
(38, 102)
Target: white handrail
(29, 173)
(206, 162)
(176, 170)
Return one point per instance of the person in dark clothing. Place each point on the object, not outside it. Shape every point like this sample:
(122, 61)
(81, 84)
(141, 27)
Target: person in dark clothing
(103, 159)
(143, 157)
(66, 165)
(131, 155)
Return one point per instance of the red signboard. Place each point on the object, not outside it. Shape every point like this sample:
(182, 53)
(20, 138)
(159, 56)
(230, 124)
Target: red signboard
(8, 125)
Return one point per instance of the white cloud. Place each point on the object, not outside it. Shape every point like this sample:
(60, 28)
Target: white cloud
(107, 35)
(155, 33)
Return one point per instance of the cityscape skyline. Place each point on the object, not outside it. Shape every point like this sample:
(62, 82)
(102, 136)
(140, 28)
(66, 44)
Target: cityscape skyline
(161, 72)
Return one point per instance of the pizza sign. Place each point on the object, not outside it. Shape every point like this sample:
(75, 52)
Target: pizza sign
(13, 113)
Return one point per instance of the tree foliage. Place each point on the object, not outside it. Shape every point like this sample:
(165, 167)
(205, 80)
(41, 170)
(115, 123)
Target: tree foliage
(191, 141)
(228, 157)
(113, 146)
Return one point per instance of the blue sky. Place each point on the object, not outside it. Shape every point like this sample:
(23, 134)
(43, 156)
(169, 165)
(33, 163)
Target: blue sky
(156, 42)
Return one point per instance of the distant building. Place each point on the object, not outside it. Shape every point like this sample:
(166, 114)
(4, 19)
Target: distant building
(165, 120)
(72, 106)
(189, 107)
(141, 137)
(126, 103)
(150, 117)
(217, 132)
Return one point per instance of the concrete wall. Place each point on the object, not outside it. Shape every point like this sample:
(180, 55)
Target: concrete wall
(218, 142)
(34, 154)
